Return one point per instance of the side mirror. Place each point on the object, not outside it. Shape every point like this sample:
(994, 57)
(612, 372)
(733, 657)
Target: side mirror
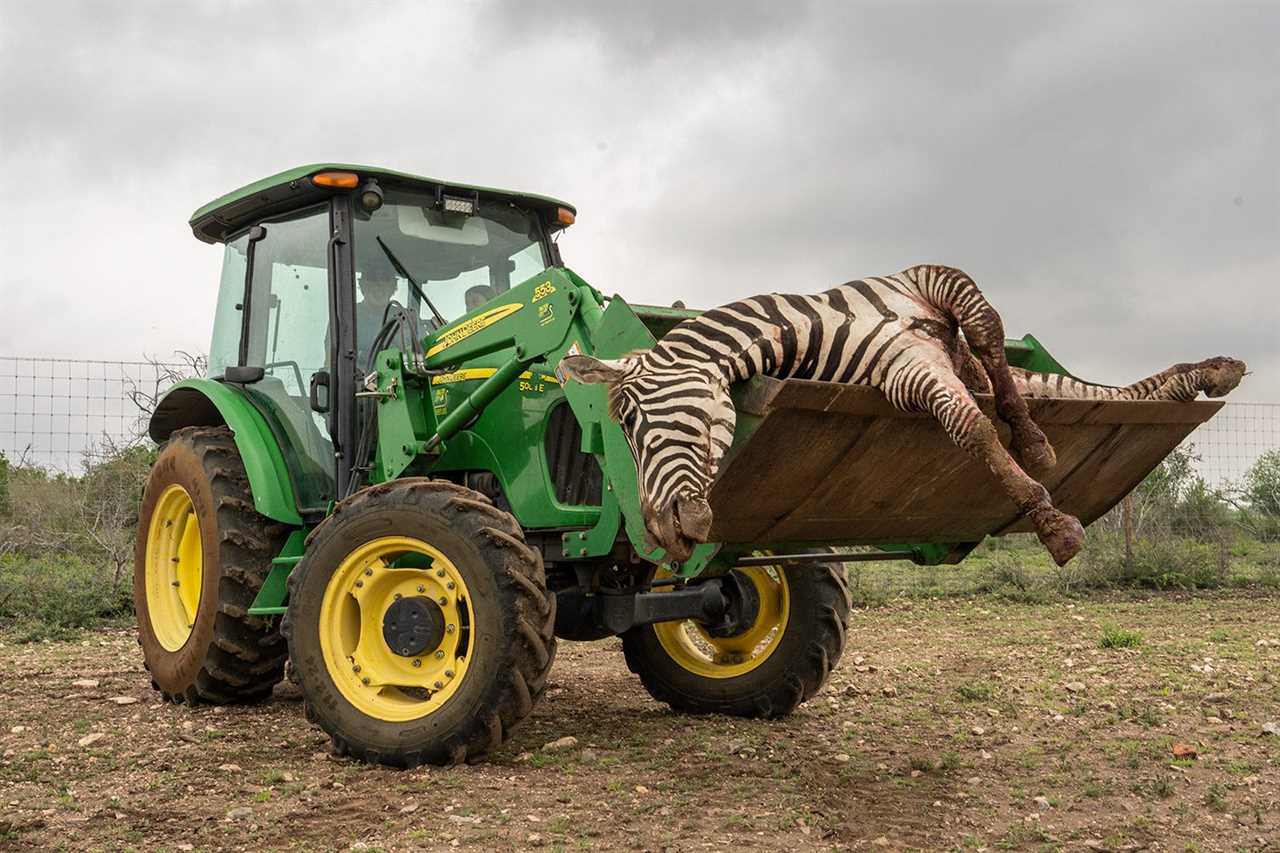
(320, 391)
(243, 374)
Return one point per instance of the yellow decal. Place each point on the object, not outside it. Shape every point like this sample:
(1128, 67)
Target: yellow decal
(543, 290)
(467, 328)
(546, 313)
(471, 374)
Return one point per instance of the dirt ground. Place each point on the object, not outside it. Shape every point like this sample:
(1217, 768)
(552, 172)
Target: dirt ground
(954, 724)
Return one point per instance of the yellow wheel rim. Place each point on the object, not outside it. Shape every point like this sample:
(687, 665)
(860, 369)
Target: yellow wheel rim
(690, 646)
(377, 681)
(174, 567)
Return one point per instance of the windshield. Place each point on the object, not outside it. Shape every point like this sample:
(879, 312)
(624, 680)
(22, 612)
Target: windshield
(461, 261)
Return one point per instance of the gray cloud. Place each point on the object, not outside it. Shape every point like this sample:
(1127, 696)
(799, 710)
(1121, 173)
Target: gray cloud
(1106, 172)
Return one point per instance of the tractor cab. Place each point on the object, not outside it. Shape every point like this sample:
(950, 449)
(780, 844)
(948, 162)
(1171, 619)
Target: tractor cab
(318, 259)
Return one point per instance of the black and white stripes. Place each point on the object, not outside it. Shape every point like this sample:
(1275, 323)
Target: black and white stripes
(899, 333)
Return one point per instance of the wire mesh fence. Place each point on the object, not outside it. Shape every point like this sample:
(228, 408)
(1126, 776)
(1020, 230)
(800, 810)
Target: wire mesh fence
(79, 418)
(57, 412)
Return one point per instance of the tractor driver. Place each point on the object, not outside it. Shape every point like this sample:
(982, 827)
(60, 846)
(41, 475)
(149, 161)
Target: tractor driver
(377, 287)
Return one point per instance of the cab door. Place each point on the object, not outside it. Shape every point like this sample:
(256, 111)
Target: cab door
(287, 331)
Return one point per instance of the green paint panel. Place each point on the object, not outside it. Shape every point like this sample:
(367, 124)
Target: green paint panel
(268, 475)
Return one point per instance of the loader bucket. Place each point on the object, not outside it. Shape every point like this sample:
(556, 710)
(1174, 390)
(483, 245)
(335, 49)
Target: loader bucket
(825, 462)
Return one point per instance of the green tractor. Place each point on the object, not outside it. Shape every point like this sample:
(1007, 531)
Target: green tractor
(384, 483)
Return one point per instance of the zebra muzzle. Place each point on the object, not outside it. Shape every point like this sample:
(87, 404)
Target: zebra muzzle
(694, 516)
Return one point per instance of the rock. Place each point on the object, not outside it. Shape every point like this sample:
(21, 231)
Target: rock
(882, 841)
(641, 789)
(184, 846)
(1058, 718)
(409, 809)
(92, 738)
(123, 700)
(1184, 750)
(560, 744)
(842, 757)
(465, 819)
(534, 838)
(1108, 706)
(974, 780)
(1043, 803)
(890, 691)
(85, 682)
(1217, 698)
(1271, 727)
(979, 731)
(17, 730)
(242, 813)
(589, 756)
(229, 768)
(1216, 721)
(1074, 687)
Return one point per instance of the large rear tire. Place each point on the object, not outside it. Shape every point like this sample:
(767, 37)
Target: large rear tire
(201, 554)
(419, 624)
(765, 670)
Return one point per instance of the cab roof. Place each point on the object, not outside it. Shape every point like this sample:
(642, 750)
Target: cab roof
(290, 189)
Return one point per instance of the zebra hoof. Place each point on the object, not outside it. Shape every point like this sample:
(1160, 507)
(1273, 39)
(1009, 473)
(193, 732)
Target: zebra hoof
(1062, 535)
(1035, 455)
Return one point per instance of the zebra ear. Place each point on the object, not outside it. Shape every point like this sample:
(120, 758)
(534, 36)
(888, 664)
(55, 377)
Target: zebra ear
(588, 370)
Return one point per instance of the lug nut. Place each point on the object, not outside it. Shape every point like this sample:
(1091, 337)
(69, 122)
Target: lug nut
(440, 654)
(448, 673)
(417, 662)
(439, 573)
(368, 572)
(450, 629)
(364, 680)
(450, 585)
(355, 668)
(175, 584)
(439, 684)
(359, 583)
(443, 601)
(421, 588)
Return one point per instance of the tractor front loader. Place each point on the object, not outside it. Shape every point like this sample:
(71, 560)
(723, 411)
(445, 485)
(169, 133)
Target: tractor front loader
(384, 480)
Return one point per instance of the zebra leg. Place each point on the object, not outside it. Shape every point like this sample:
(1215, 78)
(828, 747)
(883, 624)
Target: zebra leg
(1216, 377)
(943, 395)
(954, 292)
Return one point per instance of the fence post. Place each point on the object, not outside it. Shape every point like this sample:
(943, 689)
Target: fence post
(1126, 514)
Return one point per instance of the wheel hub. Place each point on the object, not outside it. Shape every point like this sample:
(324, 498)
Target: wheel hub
(743, 608)
(413, 625)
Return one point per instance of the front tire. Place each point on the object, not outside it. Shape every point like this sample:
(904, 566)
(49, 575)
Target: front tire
(765, 670)
(201, 555)
(441, 558)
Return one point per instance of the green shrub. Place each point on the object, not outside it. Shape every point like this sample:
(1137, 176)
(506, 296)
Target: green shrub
(55, 596)
(1163, 563)
(1006, 577)
(1262, 483)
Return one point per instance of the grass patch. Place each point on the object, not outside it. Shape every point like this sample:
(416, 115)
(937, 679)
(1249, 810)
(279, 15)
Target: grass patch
(1115, 637)
(976, 691)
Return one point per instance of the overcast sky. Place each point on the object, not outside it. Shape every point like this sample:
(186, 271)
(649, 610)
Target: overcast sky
(1108, 173)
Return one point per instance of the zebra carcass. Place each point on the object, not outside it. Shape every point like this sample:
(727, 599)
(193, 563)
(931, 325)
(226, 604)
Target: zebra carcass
(880, 412)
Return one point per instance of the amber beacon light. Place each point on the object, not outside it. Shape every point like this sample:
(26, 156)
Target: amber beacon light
(341, 180)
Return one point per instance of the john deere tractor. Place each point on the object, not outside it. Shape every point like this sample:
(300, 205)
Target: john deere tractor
(384, 482)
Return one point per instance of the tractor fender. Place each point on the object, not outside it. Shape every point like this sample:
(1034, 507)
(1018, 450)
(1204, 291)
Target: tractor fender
(204, 402)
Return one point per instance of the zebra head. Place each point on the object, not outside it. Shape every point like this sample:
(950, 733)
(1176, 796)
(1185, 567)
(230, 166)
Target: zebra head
(678, 420)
